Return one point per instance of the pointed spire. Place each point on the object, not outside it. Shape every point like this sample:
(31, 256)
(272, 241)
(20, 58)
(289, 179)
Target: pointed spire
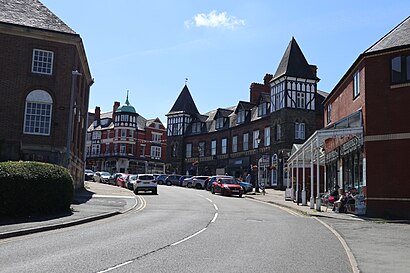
(294, 63)
(127, 101)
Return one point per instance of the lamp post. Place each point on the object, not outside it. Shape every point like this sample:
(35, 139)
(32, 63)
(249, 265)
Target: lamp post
(258, 141)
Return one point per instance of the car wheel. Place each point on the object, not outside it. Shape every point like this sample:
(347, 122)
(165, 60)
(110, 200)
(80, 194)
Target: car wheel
(189, 185)
(222, 192)
(154, 192)
(240, 195)
(135, 191)
(198, 186)
(169, 183)
(212, 190)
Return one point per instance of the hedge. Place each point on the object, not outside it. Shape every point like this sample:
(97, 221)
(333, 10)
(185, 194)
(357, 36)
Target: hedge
(34, 188)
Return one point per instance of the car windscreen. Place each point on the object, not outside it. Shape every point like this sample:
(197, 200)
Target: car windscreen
(146, 177)
(228, 181)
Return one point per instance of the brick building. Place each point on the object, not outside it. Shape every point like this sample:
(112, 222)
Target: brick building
(366, 137)
(44, 84)
(253, 136)
(124, 141)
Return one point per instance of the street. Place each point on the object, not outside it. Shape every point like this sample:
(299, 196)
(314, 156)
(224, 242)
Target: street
(183, 230)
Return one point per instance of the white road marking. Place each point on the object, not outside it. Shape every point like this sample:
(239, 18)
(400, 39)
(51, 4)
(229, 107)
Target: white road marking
(115, 267)
(214, 219)
(294, 213)
(113, 196)
(215, 207)
(189, 237)
(352, 259)
(142, 203)
(209, 200)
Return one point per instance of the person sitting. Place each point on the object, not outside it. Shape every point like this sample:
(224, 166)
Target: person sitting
(340, 204)
(351, 199)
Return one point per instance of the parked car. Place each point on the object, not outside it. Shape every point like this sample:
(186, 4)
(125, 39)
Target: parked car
(187, 182)
(181, 179)
(145, 182)
(101, 177)
(198, 182)
(88, 175)
(210, 180)
(173, 180)
(161, 179)
(247, 187)
(130, 181)
(118, 179)
(227, 186)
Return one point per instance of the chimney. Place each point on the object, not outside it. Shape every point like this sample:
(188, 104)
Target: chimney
(267, 79)
(97, 114)
(314, 69)
(114, 108)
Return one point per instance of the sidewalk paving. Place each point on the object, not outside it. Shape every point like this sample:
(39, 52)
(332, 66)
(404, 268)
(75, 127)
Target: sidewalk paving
(95, 202)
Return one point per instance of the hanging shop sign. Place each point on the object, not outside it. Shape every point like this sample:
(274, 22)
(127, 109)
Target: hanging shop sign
(350, 146)
(332, 156)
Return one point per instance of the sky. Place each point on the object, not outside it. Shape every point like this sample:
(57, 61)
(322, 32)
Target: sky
(217, 47)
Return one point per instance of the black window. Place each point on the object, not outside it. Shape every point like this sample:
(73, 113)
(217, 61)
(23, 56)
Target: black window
(400, 69)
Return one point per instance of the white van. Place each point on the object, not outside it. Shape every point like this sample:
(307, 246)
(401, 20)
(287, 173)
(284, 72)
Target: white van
(145, 182)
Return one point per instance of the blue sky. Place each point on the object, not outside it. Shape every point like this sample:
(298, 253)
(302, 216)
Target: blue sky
(221, 46)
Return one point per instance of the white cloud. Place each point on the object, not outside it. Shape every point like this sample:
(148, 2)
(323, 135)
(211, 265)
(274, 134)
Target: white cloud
(215, 20)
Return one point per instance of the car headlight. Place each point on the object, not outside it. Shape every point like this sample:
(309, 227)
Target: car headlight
(226, 187)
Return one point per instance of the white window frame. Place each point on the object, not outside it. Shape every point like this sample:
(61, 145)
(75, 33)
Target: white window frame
(299, 130)
(42, 61)
(356, 84)
(219, 123)
(255, 139)
(38, 113)
(142, 150)
(156, 137)
(201, 148)
(213, 147)
(156, 152)
(188, 153)
(245, 143)
(123, 148)
(262, 109)
(266, 136)
(300, 100)
(234, 144)
(224, 146)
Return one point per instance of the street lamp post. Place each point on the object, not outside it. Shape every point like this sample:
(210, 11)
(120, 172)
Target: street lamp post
(258, 140)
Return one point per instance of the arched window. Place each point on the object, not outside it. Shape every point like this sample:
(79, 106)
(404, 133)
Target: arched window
(37, 117)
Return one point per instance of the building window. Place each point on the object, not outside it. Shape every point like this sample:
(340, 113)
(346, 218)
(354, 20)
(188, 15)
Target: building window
(123, 133)
(256, 139)
(196, 127)
(188, 150)
(266, 136)
(130, 149)
(299, 130)
(219, 123)
(246, 141)
(356, 84)
(155, 152)
(37, 117)
(400, 69)
(130, 133)
(329, 113)
(262, 109)
(174, 150)
(95, 149)
(213, 147)
(142, 150)
(278, 132)
(122, 148)
(201, 148)
(300, 100)
(224, 146)
(240, 117)
(42, 62)
(234, 144)
(156, 137)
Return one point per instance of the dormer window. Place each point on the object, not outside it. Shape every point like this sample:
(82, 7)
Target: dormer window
(240, 117)
(219, 123)
(196, 127)
(262, 109)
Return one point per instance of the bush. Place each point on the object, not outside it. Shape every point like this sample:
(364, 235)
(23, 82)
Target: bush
(32, 188)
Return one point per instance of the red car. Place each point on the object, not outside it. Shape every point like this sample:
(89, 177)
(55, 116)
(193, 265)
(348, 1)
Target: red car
(227, 186)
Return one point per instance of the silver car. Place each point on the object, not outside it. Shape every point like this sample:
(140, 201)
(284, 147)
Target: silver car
(145, 182)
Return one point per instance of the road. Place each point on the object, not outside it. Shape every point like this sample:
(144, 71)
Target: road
(183, 230)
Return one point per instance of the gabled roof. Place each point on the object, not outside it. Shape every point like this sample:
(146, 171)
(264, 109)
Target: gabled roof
(397, 37)
(244, 105)
(184, 103)
(31, 13)
(294, 63)
(225, 112)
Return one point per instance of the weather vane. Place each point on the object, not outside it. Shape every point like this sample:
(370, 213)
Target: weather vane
(186, 80)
